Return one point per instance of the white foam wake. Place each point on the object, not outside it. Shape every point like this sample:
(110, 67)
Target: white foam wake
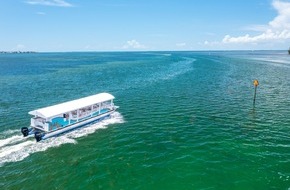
(11, 140)
(16, 148)
(8, 132)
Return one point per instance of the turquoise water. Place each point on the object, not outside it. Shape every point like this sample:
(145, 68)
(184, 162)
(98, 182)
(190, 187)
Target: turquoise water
(186, 121)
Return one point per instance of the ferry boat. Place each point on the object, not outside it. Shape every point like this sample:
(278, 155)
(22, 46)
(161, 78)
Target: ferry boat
(57, 119)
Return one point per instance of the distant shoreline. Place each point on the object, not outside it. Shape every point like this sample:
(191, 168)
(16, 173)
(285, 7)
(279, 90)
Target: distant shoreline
(16, 52)
(31, 52)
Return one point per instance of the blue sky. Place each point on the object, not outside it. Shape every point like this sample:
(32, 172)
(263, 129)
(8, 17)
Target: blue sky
(142, 25)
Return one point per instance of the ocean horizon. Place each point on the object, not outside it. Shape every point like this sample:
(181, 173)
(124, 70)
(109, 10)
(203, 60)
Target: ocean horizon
(186, 120)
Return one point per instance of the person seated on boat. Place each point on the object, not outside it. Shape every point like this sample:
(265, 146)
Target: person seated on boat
(66, 116)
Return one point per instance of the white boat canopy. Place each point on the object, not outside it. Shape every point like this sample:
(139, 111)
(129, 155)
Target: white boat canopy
(65, 107)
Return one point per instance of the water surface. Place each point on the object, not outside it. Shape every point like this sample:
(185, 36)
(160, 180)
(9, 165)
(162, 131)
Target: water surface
(186, 121)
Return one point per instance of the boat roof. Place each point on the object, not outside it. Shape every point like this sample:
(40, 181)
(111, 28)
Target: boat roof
(65, 107)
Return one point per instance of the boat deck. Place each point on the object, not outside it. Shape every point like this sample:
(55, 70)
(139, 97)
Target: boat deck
(60, 122)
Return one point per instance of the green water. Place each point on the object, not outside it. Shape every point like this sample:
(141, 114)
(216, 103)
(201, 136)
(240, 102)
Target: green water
(186, 121)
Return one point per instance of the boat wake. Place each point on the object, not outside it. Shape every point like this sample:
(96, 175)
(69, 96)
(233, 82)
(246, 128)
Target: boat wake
(15, 148)
(11, 140)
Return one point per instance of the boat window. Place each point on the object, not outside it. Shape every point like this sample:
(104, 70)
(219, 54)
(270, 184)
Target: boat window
(74, 114)
(89, 108)
(95, 106)
(85, 111)
(106, 104)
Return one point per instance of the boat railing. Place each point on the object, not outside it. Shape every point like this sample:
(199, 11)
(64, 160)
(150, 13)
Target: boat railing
(87, 111)
(38, 121)
(84, 113)
(95, 107)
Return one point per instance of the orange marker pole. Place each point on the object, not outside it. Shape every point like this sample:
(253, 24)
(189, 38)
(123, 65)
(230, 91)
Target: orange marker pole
(256, 83)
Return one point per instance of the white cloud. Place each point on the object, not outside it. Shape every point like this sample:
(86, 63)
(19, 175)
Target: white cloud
(133, 44)
(210, 33)
(20, 47)
(180, 44)
(256, 28)
(58, 3)
(210, 44)
(87, 47)
(41, 13)
(277, 30)
(268, 35)
(282, 21)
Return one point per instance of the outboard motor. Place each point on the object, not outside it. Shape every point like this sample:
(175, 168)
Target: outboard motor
(38, 136)
(24, 131)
